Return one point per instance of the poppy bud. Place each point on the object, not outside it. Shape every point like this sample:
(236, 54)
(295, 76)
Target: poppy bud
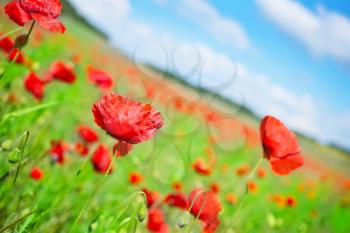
(14, 156)
(21, 41)
(184, 219)
(141, 212)
(6, 145)
(93, 225)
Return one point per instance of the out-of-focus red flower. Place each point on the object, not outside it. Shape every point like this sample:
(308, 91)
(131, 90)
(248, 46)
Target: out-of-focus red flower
(34, 85)
(76, 58)
(15, 54)
(99, 78)
(45, 12)
(156, 221)
(177, 186)
(151, 196)
(242, 170)
(58, 148)
(62, 71)
(290, 201)
(278, 199)
(280, 146)
(215, 187)
(252, 187)
(212, 117)
(201, 167)
(231, 198)
(261, 173)
(178, 200)
(125, 119)
(36, 173)
(6, 44)
(101, 159)
(206, 206)
(135, 178)
(81, 149)
(347, 185)
(122, 148)
(87, 134)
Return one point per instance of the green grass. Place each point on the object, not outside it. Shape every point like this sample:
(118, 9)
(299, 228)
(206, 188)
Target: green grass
(58, 198)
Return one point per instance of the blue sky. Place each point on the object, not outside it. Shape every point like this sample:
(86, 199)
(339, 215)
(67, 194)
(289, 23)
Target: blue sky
(292, 57)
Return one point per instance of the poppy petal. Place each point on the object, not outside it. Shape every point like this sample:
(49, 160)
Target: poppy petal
(286, 165)
(48, 23)
(17, 13)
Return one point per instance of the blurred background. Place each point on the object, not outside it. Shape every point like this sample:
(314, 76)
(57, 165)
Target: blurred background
(287, 58)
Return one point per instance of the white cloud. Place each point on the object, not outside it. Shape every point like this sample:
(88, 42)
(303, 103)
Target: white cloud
(323, 32)
(109, 15)
(224, 29)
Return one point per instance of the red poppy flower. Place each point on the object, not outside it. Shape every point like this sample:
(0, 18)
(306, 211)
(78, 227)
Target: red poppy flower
(290, 201)
(280, 146)
(125, 119)
(278, 199)
(45, 12)
(6, 44)
(81, 149)
(261, 173)
(99, 78)
(242, 170)
(151, 196)
(135, 178)
(58, 148)
(62, 71)
(205, 206)
(122, 148)
(87, 134)
(201, 167)
(177, 186)
(36, 173)
(178, 200)
(34, 85)
(101, 159)
(231, 198)
(156, 221)
(252, 186)
(15, 54)
(215, 187)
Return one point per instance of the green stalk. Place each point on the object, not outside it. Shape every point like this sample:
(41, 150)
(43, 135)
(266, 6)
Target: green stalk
(11, 32)
(22, 145)
(245, 195)
(92, 195)
(125, 208)
(17, 221)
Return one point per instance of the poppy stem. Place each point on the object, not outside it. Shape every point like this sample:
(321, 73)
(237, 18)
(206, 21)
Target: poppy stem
(245, 195)
(17, 221)
(85, 162)
(200, 210)
(22, 145)
(125, 208)
(92, 194)
(4, 74)
(31, 29)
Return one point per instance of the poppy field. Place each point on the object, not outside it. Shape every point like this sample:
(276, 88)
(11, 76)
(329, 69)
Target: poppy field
(91, 141)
